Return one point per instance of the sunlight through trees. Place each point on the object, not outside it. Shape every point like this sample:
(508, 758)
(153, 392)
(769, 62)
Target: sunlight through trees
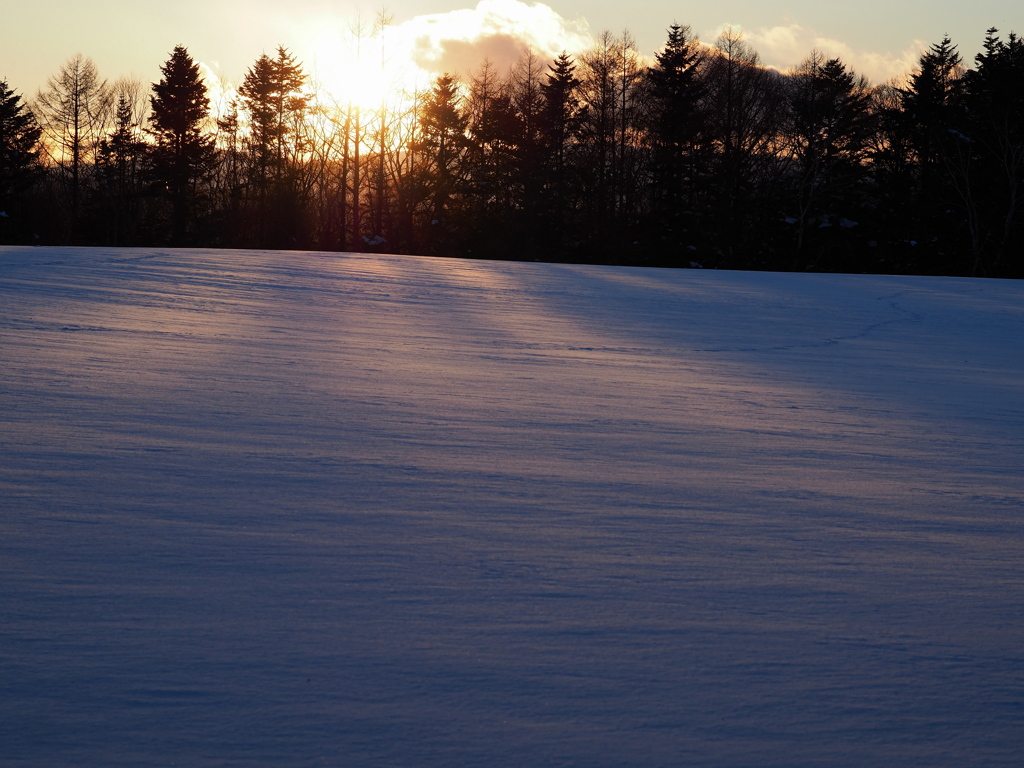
(699, 156)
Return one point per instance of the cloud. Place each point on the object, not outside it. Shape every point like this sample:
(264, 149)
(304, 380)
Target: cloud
(784, 47)
(496, 30)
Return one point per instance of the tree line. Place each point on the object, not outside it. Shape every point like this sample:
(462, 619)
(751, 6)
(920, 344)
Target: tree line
(701, 157)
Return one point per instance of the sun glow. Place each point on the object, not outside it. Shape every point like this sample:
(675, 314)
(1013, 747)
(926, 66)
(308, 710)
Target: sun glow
(362, 70)
(374, 63)
(367, 63)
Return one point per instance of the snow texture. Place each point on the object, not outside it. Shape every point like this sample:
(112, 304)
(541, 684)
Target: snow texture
(297, 509)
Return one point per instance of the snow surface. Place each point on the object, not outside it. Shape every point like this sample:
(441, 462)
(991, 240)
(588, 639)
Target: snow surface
(295, 509)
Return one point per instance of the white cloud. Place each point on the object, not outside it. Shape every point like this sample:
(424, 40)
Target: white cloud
(784, 47)
(496, 30)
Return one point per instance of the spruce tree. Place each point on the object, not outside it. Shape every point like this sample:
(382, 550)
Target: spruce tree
(560, 122)
(561, 112)
(932, 119)
(994, 130)
(183, 153)
(118, 161)
(492, 162)
(19, 155)
(677, 131)
(272, 95)
(444, 141)
(827, 129)
(933, 103)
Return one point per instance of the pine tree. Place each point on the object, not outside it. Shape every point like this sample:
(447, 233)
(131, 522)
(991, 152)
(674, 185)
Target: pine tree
(827, 130)
(497, 136)
(444, 143)
(562, 111)
(994, 129)
(677, 129)
(183, 154)
(118, 165)
(272, 94)
(933, 104)
(930, 122)
(19, 154)
(560, 122)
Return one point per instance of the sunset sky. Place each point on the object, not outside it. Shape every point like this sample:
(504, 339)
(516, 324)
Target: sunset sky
(878, 38)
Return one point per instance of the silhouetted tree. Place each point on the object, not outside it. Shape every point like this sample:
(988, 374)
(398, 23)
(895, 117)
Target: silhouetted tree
(703, 155)
(183, 153)
(931, 123)
(893, 175)
(598, 92)
(71, 111)
(119, 168)
(382, 146)
(743, 105)
(677, 134)
(19, 159)
(444, 144)
(933, 102)
(272, 93)
(561, 118)
(228, 183)
(561, 112)
(994, 131)
(531, 155)
(407, 180)
(494, 194)
(630, 155)
(828, 128)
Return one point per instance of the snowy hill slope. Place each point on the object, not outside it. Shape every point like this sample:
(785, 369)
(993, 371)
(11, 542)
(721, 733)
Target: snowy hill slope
(319, 509)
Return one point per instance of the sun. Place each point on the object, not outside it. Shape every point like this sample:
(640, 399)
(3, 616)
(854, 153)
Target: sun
(362, 70)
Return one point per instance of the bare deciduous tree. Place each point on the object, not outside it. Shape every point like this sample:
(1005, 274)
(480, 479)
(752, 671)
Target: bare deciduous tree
(72, 111)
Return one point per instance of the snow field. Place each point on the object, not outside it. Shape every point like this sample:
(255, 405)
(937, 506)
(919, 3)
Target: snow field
(320, 509)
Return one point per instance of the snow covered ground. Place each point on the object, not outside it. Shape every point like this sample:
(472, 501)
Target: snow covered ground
(295, 509)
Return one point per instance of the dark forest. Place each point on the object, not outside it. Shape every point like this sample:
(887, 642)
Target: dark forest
(699, 157)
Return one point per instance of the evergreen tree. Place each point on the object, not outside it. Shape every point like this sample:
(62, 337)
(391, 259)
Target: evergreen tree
(932, 121)
(272, 94)
(994, 131)
(561, 118)
(828, 129)
(493, 164)
(933, 102)
(561, 112)
(677, 133)
(444, 143)
(183, 154)
(19, 157)
(118, 162)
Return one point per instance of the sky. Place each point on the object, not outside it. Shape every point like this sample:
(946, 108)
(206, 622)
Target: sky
(878, 39)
